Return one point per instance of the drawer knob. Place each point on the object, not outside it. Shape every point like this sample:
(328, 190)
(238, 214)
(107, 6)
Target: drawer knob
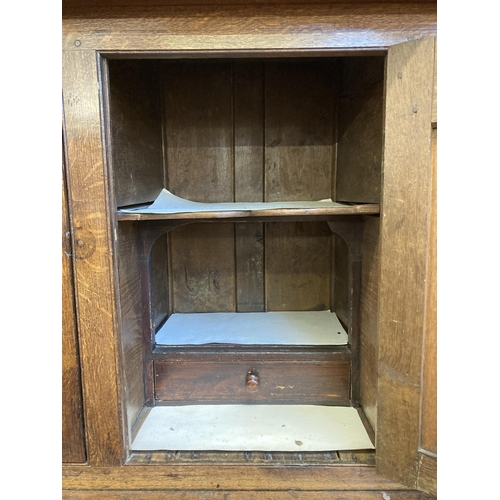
(252, 381)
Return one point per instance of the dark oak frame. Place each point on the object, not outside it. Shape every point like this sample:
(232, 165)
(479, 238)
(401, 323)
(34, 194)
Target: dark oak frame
(92, 220)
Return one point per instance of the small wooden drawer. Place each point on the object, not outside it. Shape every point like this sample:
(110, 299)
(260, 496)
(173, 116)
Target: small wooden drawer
(244, 381)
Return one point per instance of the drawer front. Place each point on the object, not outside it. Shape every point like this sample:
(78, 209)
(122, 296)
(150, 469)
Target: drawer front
(269, 382)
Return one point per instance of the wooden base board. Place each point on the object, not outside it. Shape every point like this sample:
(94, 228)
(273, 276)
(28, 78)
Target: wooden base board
(246, 495)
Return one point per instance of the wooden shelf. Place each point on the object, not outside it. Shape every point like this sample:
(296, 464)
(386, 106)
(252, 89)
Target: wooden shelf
(170, 207)
(318, 328)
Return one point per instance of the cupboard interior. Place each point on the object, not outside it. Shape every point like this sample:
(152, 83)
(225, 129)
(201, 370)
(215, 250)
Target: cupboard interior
(245, 130)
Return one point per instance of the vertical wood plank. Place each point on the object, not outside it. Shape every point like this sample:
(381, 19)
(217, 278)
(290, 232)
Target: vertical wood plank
(132, 349)
(248, 88)
(299, 156)
(368, 351)
(199, 130)
(160, 287)
(299, 110)
(298, 266)
(340, 279)
(93, 259)
(198, 117)
(135, 131)
(203, 268)
(428, 437)
(404, 239)
(360, 134)
(73, 437)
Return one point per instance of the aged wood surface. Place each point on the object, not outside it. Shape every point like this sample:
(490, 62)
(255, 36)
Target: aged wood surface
(141, 3)
(434, 91)
(199, 130)
(248, 123)
(259, 27)
(246, 477)
(291, 382)
(360, 130)
(261, 213)
(238, 458)
(160, 294)
(247, 495)
(132, 349)
(93, 261)
(428, 437)
(299, 130)
(73, 437)
(403, 256)
(135, 149)
(203, 268)
(427, 474)
(298, 266)
(368, 355)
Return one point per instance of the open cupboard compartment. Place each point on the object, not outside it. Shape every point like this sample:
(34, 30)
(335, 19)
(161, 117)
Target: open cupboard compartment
(257, 131)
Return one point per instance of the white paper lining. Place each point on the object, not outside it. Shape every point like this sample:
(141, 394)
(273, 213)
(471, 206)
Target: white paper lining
(252, 428)
(168, 203)
(265, 328)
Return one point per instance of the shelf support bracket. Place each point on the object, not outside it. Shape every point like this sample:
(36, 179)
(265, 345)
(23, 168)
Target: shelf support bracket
(350, 229)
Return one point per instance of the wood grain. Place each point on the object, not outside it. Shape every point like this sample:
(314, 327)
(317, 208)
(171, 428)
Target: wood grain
(160, 292)
(403, 256)
(360, 134)
(88, 194)
(199, 164)
(341, 279)
(427, 474)
(428, 437)
(203, 268)
(73, 437)
(132, 349)
(246, 477)
(135, 146)
(248, 123)
(369, 341)
(199, 130)
(247, 495)
(434, 92)
(262, 28)
(299, 130)
(108, 3)
(290, 382)
(298, 266)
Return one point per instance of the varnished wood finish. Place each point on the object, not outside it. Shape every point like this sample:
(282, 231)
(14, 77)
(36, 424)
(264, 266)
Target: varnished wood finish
(403, 255)
(246, 477)
(143, 3)
(264, 28)
(135, 131)
(270, 31)
(293, 381)
(247, 495)
(427, 474)
(428, 437)
(360, 134)
(261, 213)
(368, 350)
(132, 345)
(93, 263)
(73, 437)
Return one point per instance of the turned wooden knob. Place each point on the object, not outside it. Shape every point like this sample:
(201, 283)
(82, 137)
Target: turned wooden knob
(252, 381)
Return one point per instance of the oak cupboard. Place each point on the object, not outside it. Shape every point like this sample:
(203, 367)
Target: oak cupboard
(249, 104)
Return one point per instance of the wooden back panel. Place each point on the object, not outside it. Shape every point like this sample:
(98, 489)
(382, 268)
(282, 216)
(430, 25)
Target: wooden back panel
(250, 131)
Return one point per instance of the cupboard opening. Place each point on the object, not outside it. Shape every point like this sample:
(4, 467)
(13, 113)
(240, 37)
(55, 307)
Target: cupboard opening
(256, 131)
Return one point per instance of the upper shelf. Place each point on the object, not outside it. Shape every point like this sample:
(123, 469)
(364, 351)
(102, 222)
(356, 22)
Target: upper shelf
(169, 206)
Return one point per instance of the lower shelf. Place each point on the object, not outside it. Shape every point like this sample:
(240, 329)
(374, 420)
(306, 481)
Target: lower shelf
(275, 428)
(254, 328)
